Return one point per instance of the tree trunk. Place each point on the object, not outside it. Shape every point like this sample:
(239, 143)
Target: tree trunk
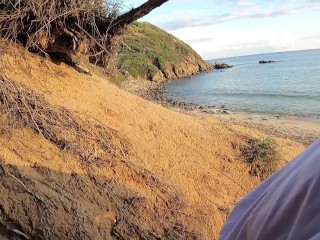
(120, 24)
(136, 13)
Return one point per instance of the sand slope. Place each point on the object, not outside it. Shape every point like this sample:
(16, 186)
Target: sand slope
(133, 169)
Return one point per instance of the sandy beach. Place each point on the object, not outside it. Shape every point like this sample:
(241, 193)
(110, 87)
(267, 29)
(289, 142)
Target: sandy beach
(301, 129)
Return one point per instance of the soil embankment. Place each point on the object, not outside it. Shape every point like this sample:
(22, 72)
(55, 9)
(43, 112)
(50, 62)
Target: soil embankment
(81, 158)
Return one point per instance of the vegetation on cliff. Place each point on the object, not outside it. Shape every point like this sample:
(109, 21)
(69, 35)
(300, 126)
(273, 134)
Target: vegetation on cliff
(149, 52)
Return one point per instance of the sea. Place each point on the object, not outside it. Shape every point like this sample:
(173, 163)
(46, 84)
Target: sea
(290, 86)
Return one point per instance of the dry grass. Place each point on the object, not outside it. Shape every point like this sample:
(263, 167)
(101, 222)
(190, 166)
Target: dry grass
(262, 157)
(73, 25)
(24, 107)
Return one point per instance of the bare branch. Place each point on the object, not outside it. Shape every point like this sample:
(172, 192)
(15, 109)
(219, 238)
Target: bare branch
(139, 12)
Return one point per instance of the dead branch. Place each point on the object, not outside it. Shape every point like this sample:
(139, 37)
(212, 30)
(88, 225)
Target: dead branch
(138, 12)
(21, 234)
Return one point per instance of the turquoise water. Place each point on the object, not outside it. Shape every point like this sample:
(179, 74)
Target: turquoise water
(291, 86)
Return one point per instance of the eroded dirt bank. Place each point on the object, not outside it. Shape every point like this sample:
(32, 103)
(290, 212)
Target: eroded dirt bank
(81, 158)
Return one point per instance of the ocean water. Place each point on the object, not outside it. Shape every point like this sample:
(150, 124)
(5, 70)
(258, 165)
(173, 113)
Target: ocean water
(291, 86)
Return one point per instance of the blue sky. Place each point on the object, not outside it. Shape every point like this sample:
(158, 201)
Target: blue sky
(226, 28)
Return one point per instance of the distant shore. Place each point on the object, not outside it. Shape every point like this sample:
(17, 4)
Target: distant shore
(302, 129)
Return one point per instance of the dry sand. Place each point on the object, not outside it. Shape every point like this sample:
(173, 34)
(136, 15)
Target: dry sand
(301, 129)
(172, 176)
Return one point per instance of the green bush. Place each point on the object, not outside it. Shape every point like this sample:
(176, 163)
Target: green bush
(262, 156)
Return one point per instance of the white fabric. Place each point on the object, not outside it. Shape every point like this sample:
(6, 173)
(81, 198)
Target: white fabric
(284, 206)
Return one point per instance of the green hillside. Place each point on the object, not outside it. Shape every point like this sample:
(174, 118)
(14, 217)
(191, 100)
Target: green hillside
(149, 52)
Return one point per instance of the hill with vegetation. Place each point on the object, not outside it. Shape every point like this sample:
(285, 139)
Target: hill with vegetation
(149, 52)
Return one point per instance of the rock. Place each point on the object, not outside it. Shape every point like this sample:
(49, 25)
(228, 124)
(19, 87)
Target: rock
(218, 65)
(82, 69)
(158, 76)
(264, 61)
(213, 111)
(226, 112)
(124, 72)
(168, 73)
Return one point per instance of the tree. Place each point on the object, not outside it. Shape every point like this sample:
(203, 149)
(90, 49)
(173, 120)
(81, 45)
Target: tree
(72, 27)
(121, 23)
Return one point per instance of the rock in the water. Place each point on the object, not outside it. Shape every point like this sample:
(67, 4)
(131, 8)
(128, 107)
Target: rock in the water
(218, 65)
(264, 61)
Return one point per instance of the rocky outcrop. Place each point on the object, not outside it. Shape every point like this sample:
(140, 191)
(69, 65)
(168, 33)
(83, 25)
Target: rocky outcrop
(264, 61)
(180, 70)
(158, 76)
(150, 53)
(218, 65)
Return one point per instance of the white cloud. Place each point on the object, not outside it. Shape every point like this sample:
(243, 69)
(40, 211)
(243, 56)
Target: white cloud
(189, 18)
(211, 42)
(240, 27)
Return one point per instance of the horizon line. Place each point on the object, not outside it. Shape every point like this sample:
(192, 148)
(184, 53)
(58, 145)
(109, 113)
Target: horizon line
(247, 55)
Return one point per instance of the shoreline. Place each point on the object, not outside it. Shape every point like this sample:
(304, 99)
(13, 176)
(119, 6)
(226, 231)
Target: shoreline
(301, 129)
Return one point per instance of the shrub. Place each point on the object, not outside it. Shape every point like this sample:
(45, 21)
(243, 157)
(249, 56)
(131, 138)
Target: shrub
(262, 157)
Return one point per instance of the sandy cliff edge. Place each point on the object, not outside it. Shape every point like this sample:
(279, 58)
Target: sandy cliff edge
(175, 176)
